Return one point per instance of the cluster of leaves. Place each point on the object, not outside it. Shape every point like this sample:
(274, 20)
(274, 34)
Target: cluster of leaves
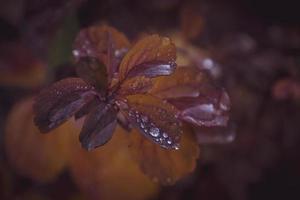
(131, 86)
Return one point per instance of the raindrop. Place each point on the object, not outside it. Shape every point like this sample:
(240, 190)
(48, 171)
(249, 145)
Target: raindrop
(165, 135)
(154, 132)
(145, 119)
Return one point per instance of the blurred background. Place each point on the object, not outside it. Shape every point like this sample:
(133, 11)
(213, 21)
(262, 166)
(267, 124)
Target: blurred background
(250, 47)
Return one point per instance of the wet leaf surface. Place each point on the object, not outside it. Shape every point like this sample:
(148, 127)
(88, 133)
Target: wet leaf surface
(136, 85)
(194, 95)
(154, 118)
(165, 166)
(151, 56)
(98, 127)
(60, 101)
(104, 43)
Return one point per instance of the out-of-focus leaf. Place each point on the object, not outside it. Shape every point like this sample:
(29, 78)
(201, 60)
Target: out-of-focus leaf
(19, 67)
(165, 166)
(286, 89)
(6, 181)
(136, 85)
(109, 173)
(55, 104)
(93, 72)
(98, 126)
(40, 157)
(154, 118)
(191, 22)
(215, 135)
(151, 56)
(200, 102)
(104, 43)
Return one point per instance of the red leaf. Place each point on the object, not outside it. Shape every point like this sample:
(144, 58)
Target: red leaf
(55, 104)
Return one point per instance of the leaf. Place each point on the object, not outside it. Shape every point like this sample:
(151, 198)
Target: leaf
(93, 72)
(88, 107)
(136, 85)
(165, 166)
(151, 56)
(40, 157)
(98, 126)
(154, 118)
(110, 173)
(215, 135)
(191, 91)
(55, 104)
(104, 43)
(20, 67)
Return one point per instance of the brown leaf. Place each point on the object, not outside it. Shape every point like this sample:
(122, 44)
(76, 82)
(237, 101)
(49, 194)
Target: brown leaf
(165, 166)
(34, 155)
(98, 126)
(151, 56)
(191, 91)
(55, 104)
(136, 85)
(104, 43)
(93, 72)
(154, 118)
(109, 173)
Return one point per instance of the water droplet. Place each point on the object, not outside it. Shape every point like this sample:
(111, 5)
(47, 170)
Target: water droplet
(176, 146)
(165, 135)
(154, 132)
(169, 142)
(75, 53)
(142, 125)
(144, 119)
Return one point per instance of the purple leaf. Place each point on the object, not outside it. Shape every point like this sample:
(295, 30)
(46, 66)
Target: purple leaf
(55, 104)
(215, 135)
(209, 109)
(98, 126)
(153, 69)
(87, 108)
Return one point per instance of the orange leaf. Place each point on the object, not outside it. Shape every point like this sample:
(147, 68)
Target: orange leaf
(165, 166)
(154, 118)
(153, 54)
(136, 85)
(109, 173)
(40, 157)
(179, 83)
